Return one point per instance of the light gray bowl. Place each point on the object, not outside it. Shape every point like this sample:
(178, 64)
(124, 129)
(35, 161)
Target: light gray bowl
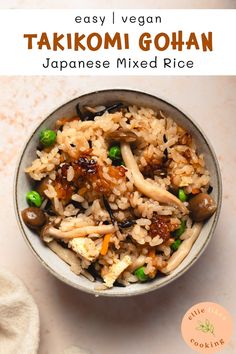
(23, 184)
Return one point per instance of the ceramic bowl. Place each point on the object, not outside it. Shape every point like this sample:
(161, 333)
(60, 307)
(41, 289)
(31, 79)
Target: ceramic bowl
(22, 184)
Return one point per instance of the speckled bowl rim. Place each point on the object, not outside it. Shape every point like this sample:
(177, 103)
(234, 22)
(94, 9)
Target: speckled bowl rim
(151, 287)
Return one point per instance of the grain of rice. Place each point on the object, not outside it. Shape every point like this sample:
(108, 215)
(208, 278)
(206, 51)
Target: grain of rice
(70, 174)
(77, 198)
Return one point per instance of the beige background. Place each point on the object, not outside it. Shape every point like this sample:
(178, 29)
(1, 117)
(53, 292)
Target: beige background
(129, 4)
(147, 324)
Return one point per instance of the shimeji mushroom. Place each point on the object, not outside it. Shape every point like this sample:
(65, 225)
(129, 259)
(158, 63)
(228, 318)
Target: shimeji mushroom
(34, 217)
(123, 135)
(183, 250)
(202, 207)
(49, 231)
(70, 258)
(151, 190)
(67, 256)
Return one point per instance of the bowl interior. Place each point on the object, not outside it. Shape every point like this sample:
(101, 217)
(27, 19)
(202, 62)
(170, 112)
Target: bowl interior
(22, 184)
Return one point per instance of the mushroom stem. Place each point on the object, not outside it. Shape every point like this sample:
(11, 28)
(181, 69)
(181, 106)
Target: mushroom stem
(76, 232)
(145, 187)
(67, 256)
(183, 250)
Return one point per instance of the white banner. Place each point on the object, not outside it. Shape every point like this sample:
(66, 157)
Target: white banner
(117, 42)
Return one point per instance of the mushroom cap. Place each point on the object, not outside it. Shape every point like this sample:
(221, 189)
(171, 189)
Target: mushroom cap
(123, 135)
(33, 217)
(201, 207)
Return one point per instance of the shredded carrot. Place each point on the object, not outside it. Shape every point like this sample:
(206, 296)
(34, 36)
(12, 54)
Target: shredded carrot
(105, 244)
(195, 190)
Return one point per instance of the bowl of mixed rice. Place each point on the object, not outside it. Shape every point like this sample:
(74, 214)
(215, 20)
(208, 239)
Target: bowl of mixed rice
(117, 192)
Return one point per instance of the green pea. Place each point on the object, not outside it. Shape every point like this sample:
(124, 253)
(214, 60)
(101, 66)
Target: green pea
(47, 137)
(182, 195)
(175, 245)
(139, 272)
(34, 199)
(177, 233)
(115, 153)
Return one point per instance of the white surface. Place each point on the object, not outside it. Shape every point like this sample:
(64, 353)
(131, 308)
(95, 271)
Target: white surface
(148, 324)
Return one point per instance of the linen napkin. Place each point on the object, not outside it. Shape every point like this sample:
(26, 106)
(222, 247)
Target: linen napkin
(19, 317)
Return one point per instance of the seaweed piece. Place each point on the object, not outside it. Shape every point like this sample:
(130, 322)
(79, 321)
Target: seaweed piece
(118, 162)
(76, 204)
(91, 269)
(210, 189)
(62, 243)
(49, 208)
(173, 191)
(110, 109)
(165, 156)
(121, 225)
(91, 115)
(39, 148)
(126, 223)
(119, 285)
(109, 210)
(84, 116)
